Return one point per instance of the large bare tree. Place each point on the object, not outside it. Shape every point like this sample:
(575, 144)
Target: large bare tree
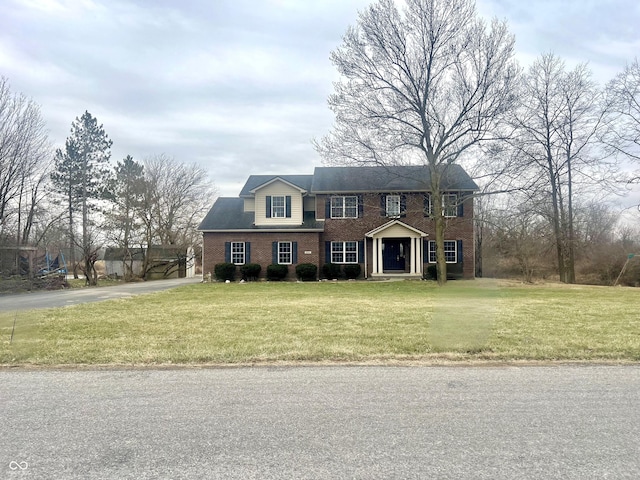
(556, 130)
(422, 85)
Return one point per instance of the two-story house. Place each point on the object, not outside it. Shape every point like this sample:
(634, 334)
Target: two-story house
(378, 217)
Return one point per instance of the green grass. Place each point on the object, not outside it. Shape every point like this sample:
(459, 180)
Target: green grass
(325, 322)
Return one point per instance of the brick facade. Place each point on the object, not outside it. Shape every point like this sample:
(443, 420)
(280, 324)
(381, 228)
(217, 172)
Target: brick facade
(311, 247)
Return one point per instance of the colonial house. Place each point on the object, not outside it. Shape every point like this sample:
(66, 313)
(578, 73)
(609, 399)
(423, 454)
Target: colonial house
(378, 217)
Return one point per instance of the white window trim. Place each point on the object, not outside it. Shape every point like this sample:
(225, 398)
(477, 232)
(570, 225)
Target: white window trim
(343, 251)
(343, 207)
(451, 205)
(396, 199)
(432, 250)
(290, 253)
(244, 253)
(274, 206)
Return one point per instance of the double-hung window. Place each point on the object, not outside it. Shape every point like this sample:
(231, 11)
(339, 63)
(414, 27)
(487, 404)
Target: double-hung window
(450, 205)
(238, 253)
(393, 205)
(344, 207)
(344, 252)
(278, 209)
(450, 251)
(284, 253)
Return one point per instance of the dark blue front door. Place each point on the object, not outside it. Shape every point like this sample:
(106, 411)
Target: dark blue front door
(393, 255)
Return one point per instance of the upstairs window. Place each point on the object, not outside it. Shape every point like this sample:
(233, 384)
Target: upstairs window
(344, 207)
(450, 205)
(277, 206)
(393, 205)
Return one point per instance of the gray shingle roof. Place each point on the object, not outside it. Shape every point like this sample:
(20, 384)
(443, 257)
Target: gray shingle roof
(228, 213)
(254, 181)
(386, 179)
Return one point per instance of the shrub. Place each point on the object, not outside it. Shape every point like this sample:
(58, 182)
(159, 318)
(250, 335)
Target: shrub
(250, 271)
(225, 271)
(432, 273)
(277, 272)
(352, 271)
(332, 271)
(307, 272)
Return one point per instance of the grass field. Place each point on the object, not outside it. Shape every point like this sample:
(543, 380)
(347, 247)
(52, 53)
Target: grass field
(334, 322)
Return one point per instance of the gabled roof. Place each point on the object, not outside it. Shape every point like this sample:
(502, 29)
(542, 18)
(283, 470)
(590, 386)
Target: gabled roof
(303, 182)
(227, 214)
(383, 227)
(410, 178)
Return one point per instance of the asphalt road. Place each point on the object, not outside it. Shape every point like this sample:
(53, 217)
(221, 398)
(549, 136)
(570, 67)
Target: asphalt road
(62, 298)
(555, 422)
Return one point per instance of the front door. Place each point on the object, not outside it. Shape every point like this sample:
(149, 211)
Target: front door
(393, 255)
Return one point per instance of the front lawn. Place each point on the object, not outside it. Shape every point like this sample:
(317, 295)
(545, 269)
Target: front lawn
(334, 322)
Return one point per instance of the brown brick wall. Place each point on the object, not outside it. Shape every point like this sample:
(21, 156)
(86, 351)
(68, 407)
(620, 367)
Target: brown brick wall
(261, 250)
(459, 228)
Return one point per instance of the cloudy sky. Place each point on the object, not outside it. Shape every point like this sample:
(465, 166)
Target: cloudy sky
(240, 86)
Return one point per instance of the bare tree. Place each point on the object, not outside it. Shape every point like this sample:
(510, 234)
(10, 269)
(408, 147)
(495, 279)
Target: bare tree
(24, 153)
(623, 95)
(556, 131)
(421, 86)
(521, 236)
(169, 201)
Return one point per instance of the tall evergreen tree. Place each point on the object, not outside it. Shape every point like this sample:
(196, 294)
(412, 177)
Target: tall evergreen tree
(81, 176)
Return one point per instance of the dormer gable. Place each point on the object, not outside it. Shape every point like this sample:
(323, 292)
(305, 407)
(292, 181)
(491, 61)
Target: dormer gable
(278, 202)
(278, 179)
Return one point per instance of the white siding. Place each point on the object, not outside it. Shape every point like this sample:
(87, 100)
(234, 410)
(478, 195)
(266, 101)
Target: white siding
(274, 189)
(249, 204)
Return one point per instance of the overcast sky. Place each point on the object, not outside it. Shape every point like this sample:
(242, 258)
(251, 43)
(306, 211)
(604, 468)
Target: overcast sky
(240, 86)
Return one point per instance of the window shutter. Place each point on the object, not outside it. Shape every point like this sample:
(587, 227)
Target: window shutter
(427, 205)
(460, 206)
(227, 252)
(294, 252)
(287, 201)
(383, 205)
(459, 252)
(268, 206)
(247, 252)
(425, 251)
(360, 206)
(327, 208)
(403, 205)
(361, 251)
(274, 252)
(327, 252)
